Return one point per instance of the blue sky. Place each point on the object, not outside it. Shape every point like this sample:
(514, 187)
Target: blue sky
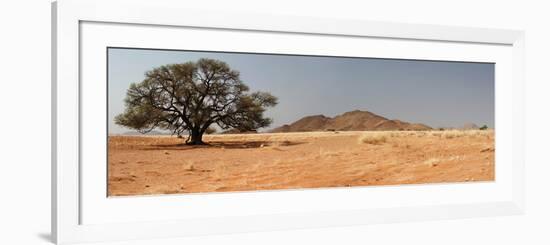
(436, 93)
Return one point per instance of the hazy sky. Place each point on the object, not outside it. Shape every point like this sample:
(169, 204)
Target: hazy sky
(439, 94)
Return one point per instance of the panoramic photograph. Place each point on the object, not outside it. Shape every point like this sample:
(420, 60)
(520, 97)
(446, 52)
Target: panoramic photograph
(210, 122)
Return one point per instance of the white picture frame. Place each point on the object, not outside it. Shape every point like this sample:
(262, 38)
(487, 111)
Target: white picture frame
(69, 197)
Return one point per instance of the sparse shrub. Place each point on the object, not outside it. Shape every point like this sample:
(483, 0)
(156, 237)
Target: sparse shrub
(484, 127)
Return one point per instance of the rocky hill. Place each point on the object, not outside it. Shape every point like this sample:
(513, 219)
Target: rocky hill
(350, 121)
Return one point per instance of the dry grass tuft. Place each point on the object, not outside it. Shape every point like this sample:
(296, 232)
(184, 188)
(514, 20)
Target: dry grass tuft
(451, 134)
(436, 133)
(373, 138)
(420, 133)
(433, 162)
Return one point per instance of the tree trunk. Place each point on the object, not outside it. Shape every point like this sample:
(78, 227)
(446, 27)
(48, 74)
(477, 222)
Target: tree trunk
(196, 138)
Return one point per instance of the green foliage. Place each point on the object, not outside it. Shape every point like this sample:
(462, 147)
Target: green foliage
(484, 127)
(193, 96)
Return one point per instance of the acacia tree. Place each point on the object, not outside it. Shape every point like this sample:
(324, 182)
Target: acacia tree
(191, 97)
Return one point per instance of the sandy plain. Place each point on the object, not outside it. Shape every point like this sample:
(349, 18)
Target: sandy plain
(144, 165)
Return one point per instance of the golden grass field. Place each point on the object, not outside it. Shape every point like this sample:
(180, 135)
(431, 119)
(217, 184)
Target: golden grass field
(143, 165)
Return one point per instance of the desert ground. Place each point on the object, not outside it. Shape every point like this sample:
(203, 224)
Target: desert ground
(144, 165)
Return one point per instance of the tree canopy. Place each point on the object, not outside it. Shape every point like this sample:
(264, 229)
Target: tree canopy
(191, 97)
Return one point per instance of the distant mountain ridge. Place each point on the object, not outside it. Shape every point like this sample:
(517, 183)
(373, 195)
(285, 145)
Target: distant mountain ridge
(350, 121)
(469, 126)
